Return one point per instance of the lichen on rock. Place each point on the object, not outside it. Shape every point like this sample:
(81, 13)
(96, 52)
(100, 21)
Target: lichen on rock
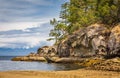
(114, 41)
(47, 51)
(86, 41)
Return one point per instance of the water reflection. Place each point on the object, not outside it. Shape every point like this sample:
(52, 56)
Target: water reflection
(6, 65)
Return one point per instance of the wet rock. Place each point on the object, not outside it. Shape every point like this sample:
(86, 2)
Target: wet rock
(65, 59)
(110, 65)
(29, 58)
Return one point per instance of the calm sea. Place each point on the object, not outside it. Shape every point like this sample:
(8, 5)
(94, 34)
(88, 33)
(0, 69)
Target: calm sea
(6, 65)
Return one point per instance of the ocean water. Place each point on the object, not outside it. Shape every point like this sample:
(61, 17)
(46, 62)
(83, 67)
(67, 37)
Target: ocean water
(7, 65)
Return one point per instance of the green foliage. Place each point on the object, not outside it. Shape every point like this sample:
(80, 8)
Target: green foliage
(58, 31)
(81, 13)
(109, 11)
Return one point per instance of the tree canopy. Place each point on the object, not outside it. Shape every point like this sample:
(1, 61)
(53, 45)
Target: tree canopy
(81, 13)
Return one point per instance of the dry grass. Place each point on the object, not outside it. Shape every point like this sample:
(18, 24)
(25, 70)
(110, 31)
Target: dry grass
(82, 73)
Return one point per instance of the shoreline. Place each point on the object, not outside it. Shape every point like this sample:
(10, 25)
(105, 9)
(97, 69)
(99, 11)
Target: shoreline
(80, 73)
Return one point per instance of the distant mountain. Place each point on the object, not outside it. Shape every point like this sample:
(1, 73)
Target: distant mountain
(16, 51)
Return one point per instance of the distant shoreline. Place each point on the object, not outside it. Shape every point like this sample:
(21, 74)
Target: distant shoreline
(81, 73)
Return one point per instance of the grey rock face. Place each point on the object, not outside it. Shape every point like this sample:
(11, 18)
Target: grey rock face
(85, 42)
(94, 39)
(47, 51)
(114, 41)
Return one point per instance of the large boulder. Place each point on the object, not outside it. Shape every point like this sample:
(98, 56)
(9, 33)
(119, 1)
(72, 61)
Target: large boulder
(85, 42)
(47, 51)
(63, 49)
(114, 41)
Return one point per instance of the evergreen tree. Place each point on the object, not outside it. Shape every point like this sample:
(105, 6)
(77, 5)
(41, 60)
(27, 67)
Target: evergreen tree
(108, 11)
(81, 13)
(58, 32)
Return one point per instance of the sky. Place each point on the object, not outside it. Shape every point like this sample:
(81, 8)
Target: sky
(24, 24)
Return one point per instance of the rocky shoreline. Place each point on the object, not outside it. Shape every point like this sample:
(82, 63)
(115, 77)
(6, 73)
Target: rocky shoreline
(95, 47)
(89, 63)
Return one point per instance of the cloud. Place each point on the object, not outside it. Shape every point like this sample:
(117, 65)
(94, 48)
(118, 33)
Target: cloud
(20, 25)
(28, 10)
(27, 38)
(39, 2)
(25, 23)
(22, 42)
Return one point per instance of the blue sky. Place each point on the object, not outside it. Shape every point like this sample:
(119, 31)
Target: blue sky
(24, 24)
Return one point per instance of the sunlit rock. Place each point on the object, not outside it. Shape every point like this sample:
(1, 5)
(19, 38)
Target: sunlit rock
(114, 41)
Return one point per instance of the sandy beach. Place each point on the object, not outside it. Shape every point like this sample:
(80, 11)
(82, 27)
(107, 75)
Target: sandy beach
(81, 73)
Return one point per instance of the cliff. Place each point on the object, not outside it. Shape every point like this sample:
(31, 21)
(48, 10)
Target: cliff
(95, 40)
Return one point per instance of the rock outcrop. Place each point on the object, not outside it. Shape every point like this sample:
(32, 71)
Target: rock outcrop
(65, 60)
(114, 41)
(96, 40)
(109, 64)
(85, 42)
(47, 51)
(29, 58)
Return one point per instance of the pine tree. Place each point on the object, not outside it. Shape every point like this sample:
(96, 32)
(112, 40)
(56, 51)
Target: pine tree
(76, 14)
(58, 32)
(108, 11)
